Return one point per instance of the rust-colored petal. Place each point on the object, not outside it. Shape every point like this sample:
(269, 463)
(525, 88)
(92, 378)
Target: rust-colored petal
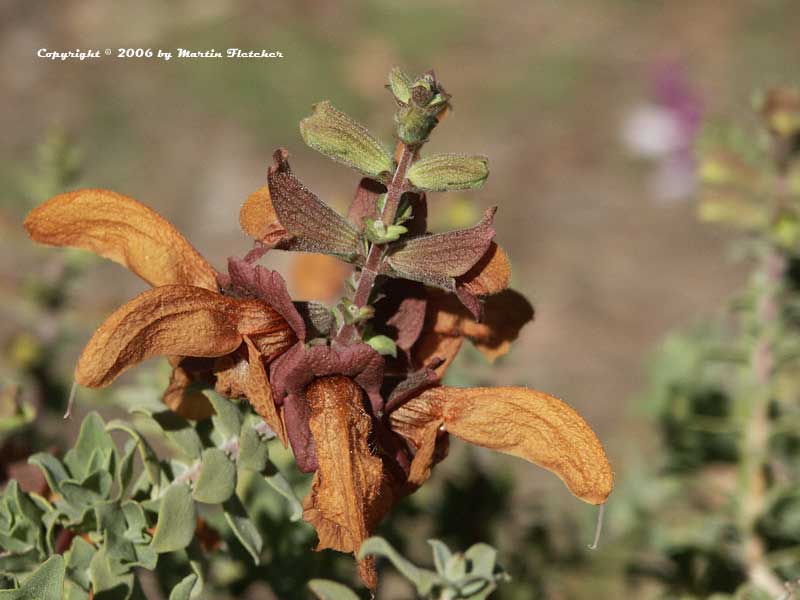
(259, 392)
(347, 484)
(437, 349)
(318, 277)
(182, 395)
(504, 315)
(490, 275)
(123, 230)
(259, 220)
(175, 320)
(517, 421)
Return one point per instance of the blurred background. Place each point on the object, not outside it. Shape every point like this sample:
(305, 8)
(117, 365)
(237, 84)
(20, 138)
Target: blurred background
(586, 110)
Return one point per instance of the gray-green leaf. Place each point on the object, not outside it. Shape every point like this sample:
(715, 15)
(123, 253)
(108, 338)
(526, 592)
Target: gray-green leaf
(325, 589)
(441, 555)
(228, 419)
(45, 583)
(177, 518)
(183, 591)
(253, 450)
(217, 480)
(422, 579)
(278, 483)
(243, 528)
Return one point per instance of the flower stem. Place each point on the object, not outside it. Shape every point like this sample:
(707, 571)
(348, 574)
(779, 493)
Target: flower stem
(754, 443)
(369, 272)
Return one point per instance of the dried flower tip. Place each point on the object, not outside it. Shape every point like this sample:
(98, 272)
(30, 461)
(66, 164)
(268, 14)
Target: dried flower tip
(337, 136)
(446, 172)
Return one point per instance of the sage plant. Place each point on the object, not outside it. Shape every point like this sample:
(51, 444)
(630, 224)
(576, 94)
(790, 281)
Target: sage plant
(726, 394)
(354, 389)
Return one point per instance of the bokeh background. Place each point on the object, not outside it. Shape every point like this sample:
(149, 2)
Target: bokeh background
(546, 89)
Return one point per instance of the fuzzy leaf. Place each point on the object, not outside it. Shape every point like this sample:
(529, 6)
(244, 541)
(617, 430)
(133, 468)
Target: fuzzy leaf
(253, 450)
(79, 557)
(217, 480)
(423, 579)
(438, 259)
(331, 590)
(228, 419)
(483, 558)
(516, 421)
(278, 482)
(52, 468)
(177, 518)
(441, 555)
(106, 584)
(92, 438)
(243, 527)
(446, 172)
(180, 432)
(94, 488)
(183, 591)
(123, 230)
(337, 136)
(175, 320)
(45, 583)
(150, 462)
(315, 226)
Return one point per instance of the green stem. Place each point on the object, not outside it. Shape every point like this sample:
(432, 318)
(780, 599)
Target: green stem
(754, 446)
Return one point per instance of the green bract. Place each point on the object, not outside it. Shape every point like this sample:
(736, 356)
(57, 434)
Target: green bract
(339, 137)
(446, 172)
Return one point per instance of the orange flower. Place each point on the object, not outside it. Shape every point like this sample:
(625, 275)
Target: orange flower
(367, 453)
(370, 427)
(223, 338)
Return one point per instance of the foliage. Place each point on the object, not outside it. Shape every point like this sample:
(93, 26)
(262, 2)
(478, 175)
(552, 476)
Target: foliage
(472, 575)
(724, 395)
(354, 389)
(107, 520)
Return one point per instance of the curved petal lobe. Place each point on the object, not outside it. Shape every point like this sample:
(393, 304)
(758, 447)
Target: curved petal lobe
(174, 320)
(123, 230)
(347, 485)
(517, 421)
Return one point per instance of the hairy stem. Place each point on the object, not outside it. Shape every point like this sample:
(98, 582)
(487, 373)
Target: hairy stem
(370, 270)
(754, 444)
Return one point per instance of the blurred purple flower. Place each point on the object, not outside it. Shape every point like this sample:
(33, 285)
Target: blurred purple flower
(664, 131)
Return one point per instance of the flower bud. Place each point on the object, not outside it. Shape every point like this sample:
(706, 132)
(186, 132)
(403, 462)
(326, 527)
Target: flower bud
(418, 114)
(445, 172)
(342, 139)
